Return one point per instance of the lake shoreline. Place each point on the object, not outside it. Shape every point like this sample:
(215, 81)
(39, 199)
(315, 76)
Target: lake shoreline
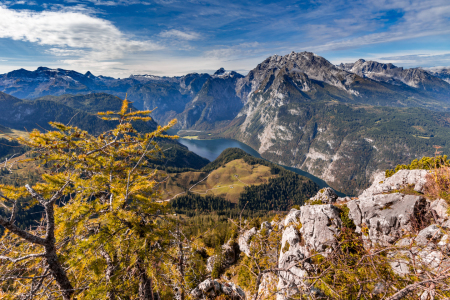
(212, 148)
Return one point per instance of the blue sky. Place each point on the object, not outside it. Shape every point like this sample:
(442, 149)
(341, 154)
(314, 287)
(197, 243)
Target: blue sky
(170, 37)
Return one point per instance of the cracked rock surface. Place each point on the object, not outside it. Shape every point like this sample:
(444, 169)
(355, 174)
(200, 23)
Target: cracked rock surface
(383, 218)
(399, 180)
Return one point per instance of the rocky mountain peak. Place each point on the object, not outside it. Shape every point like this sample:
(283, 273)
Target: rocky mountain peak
(389, 73)
(223, 74)
(307, 63)
(220, 71)
(89, 74)
(41, 69)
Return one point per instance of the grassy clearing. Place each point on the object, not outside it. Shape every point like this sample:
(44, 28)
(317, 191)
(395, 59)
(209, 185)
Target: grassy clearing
(8, 133)
(228, 181)
(419, 128)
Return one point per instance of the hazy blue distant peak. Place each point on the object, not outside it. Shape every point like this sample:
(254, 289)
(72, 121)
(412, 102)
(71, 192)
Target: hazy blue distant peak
(220, 71)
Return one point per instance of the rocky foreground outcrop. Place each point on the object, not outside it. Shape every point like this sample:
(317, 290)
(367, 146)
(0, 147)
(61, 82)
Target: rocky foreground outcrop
(392, 213)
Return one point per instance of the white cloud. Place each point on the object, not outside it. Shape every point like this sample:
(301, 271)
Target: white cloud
(70, 33)
(237, 51)
(116, 2)
(362, 24)
(177, 34)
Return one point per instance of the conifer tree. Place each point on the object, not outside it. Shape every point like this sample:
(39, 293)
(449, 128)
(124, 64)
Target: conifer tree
(102, 235)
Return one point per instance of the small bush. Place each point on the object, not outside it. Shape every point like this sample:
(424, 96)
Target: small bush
(346, 221)
(425, 163)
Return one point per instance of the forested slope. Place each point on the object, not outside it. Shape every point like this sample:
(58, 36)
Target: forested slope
(242, 179)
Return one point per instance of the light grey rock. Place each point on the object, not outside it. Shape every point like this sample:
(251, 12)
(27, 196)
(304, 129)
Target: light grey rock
(291, 253)
(209, 289)
(206, 285)
(446, 224)
(268, 285)
(399, 262)
(399, 180)
(429, 236)
(444, 242)
(379, 288)
(196, 293)
(239, 292)
(244, 240)
(319, 225)
(292, 217)
(343, 199)
(406, 242)
(428, 295)
(440, 208)
(229, 253)
(426, 249)
(232, 290)
(227, 289)
(326, 195)
(386, 216)
(210, 263)
(431, 259)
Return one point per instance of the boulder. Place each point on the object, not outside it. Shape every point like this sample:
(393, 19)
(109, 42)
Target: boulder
(230, 252)
(312, 227)
(383, 219)
(429, 236)
(426, 248)
(320, 225)
(326, 195)
(196, 293)
(206, 285)
(209, 289)
(210, 263)
(291, 253)
(439, 208)
(399, 180)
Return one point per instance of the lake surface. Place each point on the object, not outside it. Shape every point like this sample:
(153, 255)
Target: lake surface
(211, 149)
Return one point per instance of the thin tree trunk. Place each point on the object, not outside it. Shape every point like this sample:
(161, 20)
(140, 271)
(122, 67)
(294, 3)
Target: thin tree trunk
(111, 293)
(180, 265)
(145, 284)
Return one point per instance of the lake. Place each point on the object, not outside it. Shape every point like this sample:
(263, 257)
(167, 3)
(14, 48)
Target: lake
(211, 149)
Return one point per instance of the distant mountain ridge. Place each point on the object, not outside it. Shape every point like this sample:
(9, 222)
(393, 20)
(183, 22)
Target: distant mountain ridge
(415, 77)
(366, 82)
(80, 111)
(441, 72)
(340, 123)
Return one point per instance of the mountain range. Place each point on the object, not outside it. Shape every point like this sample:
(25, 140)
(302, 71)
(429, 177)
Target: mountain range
(339, 122)
(80, 111)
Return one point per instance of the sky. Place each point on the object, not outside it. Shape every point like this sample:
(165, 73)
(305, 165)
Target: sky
(171, 37)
